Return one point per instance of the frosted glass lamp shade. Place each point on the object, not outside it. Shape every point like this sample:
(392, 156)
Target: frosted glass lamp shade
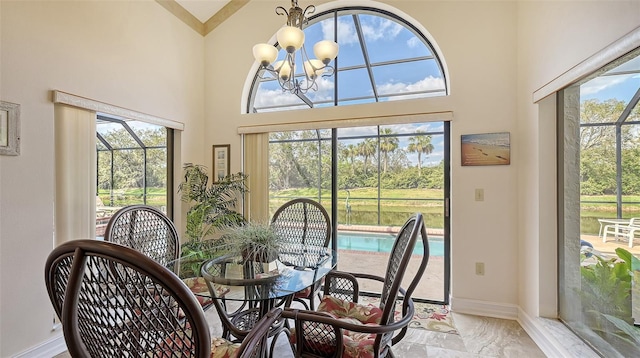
(265, 54)
(290, 38)
(283, 68)
(325, 51)
(313, 68)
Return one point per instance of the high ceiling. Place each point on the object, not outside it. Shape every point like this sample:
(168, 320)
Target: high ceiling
(203, 10)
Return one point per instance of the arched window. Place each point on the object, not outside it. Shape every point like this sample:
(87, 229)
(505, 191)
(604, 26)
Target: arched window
(382, 58)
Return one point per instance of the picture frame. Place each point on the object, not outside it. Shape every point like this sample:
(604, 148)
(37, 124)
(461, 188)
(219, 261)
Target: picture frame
(9, 128)
(221, 161)
(485, 149)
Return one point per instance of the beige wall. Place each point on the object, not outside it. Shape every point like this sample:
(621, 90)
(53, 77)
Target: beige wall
(478, 40)
(136, 55)
(131, 54)
(553, 36)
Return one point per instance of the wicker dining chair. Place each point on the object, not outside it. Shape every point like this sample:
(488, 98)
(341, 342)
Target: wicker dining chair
(305, 228)
(146, 229)
(343, 328)
(114, 301)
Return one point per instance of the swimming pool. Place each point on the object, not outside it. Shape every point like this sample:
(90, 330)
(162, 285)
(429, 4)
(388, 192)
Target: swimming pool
(381, 242)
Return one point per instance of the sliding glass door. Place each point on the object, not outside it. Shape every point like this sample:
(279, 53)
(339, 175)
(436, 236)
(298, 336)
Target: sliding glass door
(374, 180)
(599, 196)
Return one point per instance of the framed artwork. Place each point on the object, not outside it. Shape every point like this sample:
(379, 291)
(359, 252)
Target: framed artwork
(485, 149)
(9, 128)
(221, 162)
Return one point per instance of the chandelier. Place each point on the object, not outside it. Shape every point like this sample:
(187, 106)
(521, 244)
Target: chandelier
(291, 39)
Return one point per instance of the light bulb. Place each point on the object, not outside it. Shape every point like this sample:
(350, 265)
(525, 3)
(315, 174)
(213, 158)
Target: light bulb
(290, 38)
(325, 51)
(265, 54)
(283, 68)
(313, 68)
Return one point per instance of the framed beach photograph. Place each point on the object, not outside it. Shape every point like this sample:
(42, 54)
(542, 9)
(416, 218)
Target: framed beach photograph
(485, 149)
(9, 128)
(221, 162)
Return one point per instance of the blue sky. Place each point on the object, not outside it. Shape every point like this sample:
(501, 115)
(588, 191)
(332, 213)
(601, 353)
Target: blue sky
(385, 40)
(621, 87)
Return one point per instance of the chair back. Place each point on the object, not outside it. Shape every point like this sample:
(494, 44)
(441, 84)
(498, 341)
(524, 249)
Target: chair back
(302, 224)
(114, 301)
(146, 229)
(255, 343)
(399, 258)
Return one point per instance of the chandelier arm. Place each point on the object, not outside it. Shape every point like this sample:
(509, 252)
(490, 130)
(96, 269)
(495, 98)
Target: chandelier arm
(285, 71)
(282, 11)
(328, 71)
(307, 11)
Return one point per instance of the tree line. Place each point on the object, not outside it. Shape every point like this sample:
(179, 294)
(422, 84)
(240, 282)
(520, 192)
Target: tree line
(300, 160)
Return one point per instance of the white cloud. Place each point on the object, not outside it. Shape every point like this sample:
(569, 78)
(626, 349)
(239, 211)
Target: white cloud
(428, 83)
(346, 32)
(373, 29)
(268, 98)
(276, 97)
(380, 28)
(600, 84)
(414, 42)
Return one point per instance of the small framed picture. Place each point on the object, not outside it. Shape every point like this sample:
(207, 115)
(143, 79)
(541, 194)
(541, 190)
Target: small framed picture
(221, 162)
(9, 128)
(485, 149)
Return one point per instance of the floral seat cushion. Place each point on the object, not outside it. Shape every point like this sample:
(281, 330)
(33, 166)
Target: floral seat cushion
(198, 286)
(174, 346)
(356, 344)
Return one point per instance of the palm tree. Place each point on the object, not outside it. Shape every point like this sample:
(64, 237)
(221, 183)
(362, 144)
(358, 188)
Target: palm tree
(367, 149)
(420, 144)
(349, 153)
(387, 145)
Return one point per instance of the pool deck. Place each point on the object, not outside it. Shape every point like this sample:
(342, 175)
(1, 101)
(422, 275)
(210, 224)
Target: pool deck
(432, 283)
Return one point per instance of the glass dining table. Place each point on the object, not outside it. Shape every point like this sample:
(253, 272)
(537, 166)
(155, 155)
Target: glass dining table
(255, 285)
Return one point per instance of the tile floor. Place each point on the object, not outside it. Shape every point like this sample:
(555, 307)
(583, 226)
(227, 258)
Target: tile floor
(478, 337)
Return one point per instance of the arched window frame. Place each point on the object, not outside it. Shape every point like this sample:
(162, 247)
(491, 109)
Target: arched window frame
(381, 10)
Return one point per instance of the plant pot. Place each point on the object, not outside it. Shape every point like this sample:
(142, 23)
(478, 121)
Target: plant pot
(250, 254)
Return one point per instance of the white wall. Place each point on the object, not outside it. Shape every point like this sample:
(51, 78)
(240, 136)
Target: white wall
(478, 40)
(132, 54)
(553, 36)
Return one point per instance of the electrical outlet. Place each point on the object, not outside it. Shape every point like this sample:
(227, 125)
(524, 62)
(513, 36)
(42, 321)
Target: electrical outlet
(479, 194)
(480, 268)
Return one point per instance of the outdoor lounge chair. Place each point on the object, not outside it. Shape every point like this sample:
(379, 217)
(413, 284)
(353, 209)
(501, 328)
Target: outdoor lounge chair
(626, 230)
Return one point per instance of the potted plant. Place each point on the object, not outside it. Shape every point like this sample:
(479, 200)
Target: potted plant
(212, 207)
(253, 241)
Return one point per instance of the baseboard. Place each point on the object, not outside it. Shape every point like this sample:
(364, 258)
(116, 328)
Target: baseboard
(553, 338)
(484, 308)
(50, 348)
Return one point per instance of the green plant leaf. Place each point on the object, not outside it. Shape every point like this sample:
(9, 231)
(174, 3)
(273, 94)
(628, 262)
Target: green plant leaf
(625, 327)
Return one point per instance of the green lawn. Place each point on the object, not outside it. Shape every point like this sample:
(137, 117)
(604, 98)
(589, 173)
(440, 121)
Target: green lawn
(364, 205)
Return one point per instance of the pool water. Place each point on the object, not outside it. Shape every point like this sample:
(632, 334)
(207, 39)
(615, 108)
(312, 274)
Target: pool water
(380, 242)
